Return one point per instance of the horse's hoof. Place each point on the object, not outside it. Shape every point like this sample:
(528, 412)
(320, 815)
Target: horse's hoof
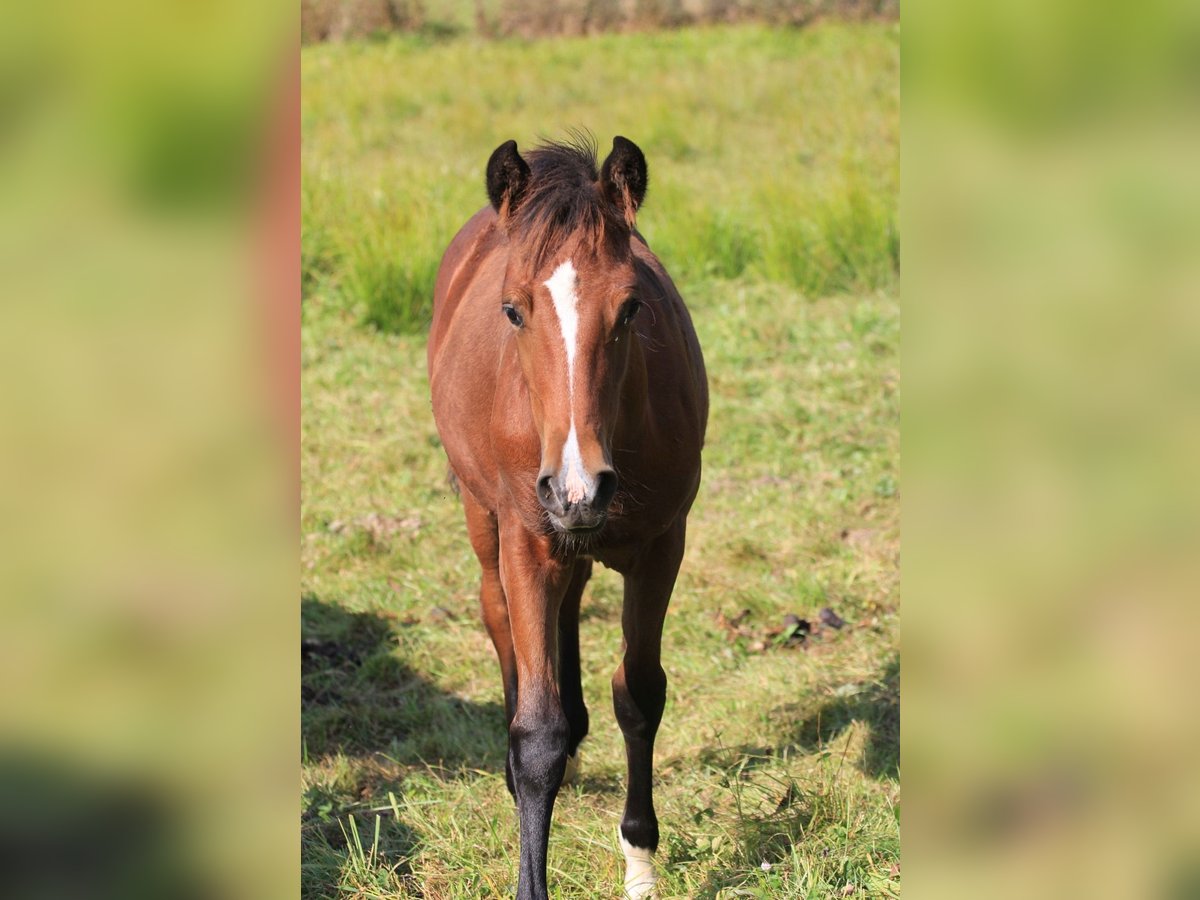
(572, 771)
(640, 876)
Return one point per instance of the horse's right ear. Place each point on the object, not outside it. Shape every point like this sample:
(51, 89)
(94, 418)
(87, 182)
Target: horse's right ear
(507, 176)
(623, 177)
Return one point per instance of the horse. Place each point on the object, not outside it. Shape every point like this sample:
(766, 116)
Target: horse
(570, 394)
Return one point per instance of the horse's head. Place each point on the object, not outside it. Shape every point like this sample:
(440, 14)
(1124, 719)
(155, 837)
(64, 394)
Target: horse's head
(570, 297)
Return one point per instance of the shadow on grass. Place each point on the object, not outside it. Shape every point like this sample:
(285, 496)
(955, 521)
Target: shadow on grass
(875, 704)
(355, 852)
(795, 817)
(366, 717)
(601, 785)
(358, 698)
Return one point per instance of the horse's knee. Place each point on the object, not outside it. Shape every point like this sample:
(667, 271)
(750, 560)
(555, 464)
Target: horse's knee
(639, 699)
(538, 752)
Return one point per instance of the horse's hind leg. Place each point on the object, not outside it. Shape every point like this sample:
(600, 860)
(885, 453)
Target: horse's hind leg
(639, 695)
(485, 540)
(570, 683)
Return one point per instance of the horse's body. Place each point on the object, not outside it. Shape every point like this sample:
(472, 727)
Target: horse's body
(574, 430)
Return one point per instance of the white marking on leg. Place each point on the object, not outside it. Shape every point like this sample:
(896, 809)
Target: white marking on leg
(562, 285)
(639, 869)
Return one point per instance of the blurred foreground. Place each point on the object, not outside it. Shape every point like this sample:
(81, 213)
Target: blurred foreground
(1052, 286)
(148, 333)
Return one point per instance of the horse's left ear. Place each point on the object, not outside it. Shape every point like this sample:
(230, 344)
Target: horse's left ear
(623, 178)
(507, 176)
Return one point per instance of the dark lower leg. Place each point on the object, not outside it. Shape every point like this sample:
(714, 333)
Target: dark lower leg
(639, 695)
(538, 757)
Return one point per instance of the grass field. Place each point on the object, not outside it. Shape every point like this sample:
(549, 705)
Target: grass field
(773, 159)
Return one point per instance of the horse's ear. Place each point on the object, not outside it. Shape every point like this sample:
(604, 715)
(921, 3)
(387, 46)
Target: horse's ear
(623, 177)
(507, 177)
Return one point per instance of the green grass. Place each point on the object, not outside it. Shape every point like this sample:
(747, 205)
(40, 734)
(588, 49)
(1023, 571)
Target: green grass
(769, 754)
(773, 153)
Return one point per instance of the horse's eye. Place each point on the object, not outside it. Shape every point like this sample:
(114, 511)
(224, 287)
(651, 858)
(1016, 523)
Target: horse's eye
(630, 310)
(513, 315)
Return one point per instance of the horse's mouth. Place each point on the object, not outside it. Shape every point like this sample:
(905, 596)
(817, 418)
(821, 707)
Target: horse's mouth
(586, 529)
(578, 529)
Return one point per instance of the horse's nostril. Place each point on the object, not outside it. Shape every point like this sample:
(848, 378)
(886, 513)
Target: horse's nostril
(606, 488)
(545, 491)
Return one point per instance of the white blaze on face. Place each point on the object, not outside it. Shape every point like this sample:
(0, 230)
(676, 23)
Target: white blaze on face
(639, 870)
(562, 285)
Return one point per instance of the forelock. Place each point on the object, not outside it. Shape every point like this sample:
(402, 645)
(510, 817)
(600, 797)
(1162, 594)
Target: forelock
(564, 200)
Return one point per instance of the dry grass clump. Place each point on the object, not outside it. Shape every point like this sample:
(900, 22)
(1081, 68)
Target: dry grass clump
(338, 20)
(533, 18)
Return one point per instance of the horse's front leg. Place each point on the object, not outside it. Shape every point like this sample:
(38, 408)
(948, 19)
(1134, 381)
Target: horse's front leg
(534, 583)
(639, 694)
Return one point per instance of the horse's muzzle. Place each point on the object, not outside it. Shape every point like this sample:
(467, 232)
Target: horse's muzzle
(584, 512)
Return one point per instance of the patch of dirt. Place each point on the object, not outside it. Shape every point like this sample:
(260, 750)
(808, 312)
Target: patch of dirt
(379, 527)
(792, 632)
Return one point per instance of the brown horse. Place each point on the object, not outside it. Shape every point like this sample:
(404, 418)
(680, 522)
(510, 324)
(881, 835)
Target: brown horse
(570, 394)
